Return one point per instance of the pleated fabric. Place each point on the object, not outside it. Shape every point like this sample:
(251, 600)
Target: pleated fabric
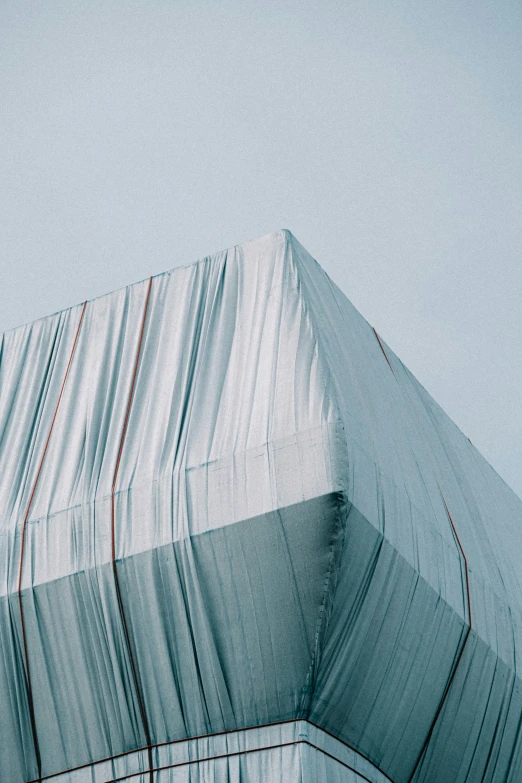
(240, 543)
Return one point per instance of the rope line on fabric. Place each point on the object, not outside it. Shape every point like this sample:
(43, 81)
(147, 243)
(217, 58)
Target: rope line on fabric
(382, 348)
(468, 602)
(461, 651)
(141, 702)
(244, 753)
(208, 736)
(22, 551)
(466, 569)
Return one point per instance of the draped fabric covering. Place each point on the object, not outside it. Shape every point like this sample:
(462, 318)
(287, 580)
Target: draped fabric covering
(240, 543)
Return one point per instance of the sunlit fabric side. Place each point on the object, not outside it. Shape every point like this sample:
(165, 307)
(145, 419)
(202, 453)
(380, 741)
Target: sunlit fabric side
(284, 500)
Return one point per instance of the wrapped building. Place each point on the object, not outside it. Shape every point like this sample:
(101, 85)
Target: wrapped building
(240, 543)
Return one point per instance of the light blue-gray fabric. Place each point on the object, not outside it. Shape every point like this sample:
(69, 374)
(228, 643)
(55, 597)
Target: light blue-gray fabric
(282, 544)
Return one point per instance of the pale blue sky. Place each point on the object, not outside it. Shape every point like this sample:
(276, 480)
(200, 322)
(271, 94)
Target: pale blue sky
(136, 136)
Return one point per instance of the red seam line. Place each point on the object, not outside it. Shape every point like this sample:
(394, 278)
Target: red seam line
(149, 745)
(22, 550)
(244, 753)
(382, 349)
(459, 656)
(113, 536)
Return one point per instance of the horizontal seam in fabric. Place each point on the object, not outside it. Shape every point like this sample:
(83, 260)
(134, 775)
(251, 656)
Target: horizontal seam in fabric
(179, 472)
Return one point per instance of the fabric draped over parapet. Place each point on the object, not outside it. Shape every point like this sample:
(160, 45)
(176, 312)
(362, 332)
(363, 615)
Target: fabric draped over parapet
(240, 542)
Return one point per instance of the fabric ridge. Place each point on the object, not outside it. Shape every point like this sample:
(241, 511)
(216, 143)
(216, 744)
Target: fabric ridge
(240, 542)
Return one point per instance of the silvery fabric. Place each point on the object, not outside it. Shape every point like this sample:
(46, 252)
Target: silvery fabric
(254, 548)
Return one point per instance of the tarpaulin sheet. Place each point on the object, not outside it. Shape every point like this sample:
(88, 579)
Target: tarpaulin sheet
(227, 507)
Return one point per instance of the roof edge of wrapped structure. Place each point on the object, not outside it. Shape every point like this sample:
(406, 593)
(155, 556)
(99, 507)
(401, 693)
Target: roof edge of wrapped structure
(281, 232)
(227, 504)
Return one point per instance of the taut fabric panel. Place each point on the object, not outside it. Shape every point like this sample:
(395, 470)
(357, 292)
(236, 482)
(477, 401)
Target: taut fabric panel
(234, 525)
